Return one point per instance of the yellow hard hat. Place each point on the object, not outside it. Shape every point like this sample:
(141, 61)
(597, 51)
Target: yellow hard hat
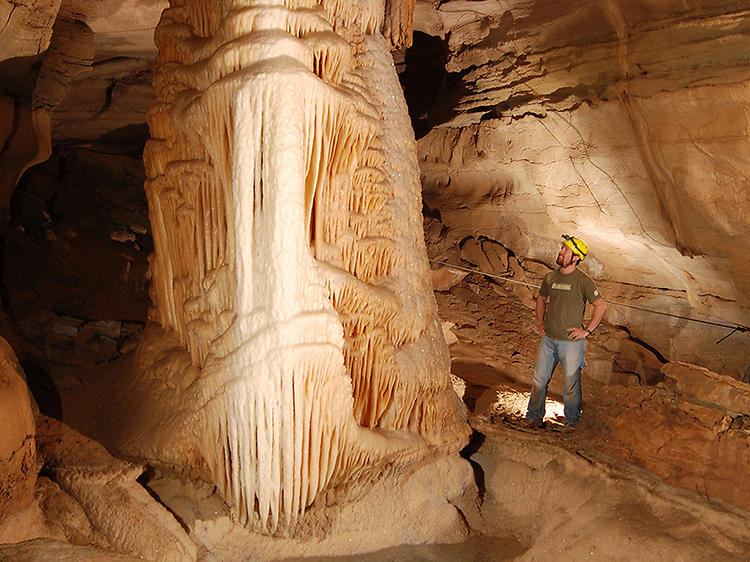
(578, 246)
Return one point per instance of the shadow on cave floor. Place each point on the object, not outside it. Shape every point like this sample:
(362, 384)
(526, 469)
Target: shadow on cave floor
(475, 549)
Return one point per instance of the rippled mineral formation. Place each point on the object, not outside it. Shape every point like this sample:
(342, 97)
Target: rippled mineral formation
(284, 199)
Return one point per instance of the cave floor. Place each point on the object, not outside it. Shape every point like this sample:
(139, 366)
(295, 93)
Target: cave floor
(475, 549)
(556, 493)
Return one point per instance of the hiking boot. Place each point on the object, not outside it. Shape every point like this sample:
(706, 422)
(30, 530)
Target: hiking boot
(569, 428)
(532, 424)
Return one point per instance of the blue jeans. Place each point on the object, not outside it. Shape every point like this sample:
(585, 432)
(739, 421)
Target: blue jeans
(570, 356)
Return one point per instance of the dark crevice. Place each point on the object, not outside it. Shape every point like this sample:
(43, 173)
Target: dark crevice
(108, 98)
(110, 60)
(475, 442)
(10, 15)
(464, 520)
(427, 212)
(14, 128)
(42, 387)
(642, 380)
(143, 480)
(431, 92)
(472, 394)
(642, 343)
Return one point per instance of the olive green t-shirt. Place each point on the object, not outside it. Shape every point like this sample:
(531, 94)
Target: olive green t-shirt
(568, 295)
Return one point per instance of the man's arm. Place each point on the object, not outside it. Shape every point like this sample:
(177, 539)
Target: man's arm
(600, 307)
(541, 307)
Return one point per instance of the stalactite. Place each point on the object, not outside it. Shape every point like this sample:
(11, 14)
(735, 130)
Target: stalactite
(277, 181)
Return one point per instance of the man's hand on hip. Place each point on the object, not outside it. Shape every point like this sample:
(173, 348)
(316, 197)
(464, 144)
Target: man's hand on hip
(577, 334)
(540, 330)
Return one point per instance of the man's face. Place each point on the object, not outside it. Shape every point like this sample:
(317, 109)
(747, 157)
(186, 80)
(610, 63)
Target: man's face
(564, 256)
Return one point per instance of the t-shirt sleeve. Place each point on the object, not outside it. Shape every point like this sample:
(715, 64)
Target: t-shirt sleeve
(590, 292)
(544, 289)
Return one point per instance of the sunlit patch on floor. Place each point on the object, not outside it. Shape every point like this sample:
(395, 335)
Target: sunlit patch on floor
(513, 402)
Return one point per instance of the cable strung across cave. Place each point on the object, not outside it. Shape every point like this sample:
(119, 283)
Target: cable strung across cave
(509, 279)
(733, 327)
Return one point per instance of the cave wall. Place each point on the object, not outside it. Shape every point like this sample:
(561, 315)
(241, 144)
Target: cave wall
(625, 124)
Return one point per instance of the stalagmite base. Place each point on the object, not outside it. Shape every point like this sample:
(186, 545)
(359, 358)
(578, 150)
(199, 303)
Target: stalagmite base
(300, 357)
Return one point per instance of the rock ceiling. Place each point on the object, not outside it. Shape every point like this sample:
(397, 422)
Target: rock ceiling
(624, 122)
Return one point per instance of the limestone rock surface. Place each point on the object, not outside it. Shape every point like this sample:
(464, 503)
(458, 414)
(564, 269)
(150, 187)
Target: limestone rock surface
(622, 124)
(117, 506)
(27, 27)
(546, 495)
(689, 443)
(288, 258)
(50, 549)
(434, 502)
(18, 469)
(706, 386)
(55, 515)
(49, 45)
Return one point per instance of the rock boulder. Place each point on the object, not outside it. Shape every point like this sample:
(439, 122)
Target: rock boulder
(17, 448)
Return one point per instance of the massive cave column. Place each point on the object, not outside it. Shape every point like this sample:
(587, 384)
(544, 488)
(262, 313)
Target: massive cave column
(285, 207)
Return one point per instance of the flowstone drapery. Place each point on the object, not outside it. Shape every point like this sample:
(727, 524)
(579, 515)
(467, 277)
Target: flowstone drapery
(285, 207)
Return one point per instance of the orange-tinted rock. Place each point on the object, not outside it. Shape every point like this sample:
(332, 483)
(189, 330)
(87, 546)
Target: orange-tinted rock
(27, 27)
(563, 501)
(24, 144)
(688, 444)
(17, 449)
(115, 504)
(707, 386)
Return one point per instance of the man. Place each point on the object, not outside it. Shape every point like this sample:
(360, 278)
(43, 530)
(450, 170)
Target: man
(561, 326)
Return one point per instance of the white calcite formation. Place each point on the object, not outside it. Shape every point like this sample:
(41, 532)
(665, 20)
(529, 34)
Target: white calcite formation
(285, 205)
